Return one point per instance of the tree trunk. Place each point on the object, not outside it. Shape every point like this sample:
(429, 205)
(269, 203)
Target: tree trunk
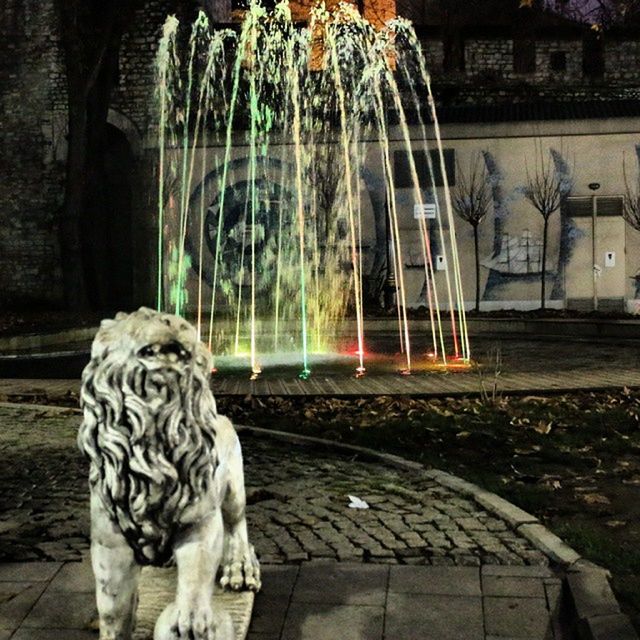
(96, 226)
(91, 55)
(544, 262)
(477, 256)
(75, 295)
(90, 35)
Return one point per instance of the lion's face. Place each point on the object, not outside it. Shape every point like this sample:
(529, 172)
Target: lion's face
(155, 340)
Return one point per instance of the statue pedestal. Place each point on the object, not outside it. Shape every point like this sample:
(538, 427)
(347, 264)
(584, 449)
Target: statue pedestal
(157, 590)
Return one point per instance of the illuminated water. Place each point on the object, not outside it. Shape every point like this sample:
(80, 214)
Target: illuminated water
(266, 138)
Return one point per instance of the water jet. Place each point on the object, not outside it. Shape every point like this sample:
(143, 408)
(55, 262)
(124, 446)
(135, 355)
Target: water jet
(279, 210)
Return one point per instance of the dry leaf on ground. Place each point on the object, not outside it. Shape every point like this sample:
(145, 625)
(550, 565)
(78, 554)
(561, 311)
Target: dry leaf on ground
(595, 498)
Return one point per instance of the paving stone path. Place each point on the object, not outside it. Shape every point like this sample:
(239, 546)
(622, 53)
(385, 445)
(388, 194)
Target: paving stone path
(329, 570)
(298, 504)
(43, 486)
(318, 601)
(419, 384)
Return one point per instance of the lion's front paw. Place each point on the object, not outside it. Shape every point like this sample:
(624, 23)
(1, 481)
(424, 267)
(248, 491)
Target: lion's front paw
(240, 568)
(197, 622)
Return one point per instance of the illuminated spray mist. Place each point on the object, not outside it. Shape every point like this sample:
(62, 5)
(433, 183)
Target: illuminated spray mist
(264, 134)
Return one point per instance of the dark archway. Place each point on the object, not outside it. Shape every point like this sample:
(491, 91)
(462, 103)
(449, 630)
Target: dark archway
(107, 231)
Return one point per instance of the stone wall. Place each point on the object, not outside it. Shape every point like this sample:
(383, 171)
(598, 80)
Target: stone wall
(31, 184)
(434, 55)
(489, 60)
(622, 61)
(573, 56)
(33, 129)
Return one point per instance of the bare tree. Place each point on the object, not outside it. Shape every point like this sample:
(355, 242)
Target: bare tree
(602, 14)
(545, 190)
(631, 203)
(471, 199)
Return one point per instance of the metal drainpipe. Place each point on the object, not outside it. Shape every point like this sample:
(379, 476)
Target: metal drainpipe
(594, 186)
(595, 264)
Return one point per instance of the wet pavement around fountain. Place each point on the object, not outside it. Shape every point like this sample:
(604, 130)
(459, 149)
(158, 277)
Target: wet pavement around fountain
(423, 561)
(525, 367)
(516, 355)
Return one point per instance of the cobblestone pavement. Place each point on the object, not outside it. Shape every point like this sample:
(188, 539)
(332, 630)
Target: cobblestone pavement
(300, 511)
(43, 486)
(298, 504)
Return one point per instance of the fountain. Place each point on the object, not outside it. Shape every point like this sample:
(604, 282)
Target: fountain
(278, 214)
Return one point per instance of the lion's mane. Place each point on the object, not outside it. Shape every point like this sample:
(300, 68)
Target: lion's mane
(150, 437)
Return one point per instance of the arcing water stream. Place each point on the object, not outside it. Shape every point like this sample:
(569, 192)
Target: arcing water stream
(267, 138)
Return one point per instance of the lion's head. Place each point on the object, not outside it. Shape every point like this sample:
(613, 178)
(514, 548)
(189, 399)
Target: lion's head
(148, 426)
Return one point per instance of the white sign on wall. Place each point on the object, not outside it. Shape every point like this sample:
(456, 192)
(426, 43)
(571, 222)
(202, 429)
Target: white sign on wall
(441, 263)
(424, 210)
(610, 259)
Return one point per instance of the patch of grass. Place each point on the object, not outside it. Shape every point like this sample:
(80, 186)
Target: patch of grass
(597, 545)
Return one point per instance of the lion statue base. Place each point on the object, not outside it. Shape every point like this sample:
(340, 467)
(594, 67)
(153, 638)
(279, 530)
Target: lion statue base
(166, 477)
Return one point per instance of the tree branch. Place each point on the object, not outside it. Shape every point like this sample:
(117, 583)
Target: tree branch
(471, 197)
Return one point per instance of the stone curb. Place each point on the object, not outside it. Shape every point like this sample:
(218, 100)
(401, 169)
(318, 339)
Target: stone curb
(490, 501)
(596, 610)
(36, 341)
(581, 328)
(597, 614)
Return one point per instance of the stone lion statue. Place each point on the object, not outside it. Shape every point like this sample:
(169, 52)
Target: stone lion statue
(166, 476)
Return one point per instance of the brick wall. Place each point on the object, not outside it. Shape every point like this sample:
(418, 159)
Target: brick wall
(134, 94)
(491, 60)
(33, 127)
(622, 61)
(31, 183)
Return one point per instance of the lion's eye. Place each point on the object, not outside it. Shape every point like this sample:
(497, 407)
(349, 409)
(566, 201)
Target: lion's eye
(146, 352)
(175, 348)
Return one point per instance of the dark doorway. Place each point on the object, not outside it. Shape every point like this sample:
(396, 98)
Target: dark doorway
(107, 230)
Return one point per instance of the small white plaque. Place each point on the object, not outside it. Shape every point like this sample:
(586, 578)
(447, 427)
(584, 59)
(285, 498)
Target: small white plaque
(424, 211)
(441, 263)
(610, 259)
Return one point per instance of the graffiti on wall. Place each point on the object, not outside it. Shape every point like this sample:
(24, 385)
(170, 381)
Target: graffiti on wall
(516, 255)
(569, 233)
